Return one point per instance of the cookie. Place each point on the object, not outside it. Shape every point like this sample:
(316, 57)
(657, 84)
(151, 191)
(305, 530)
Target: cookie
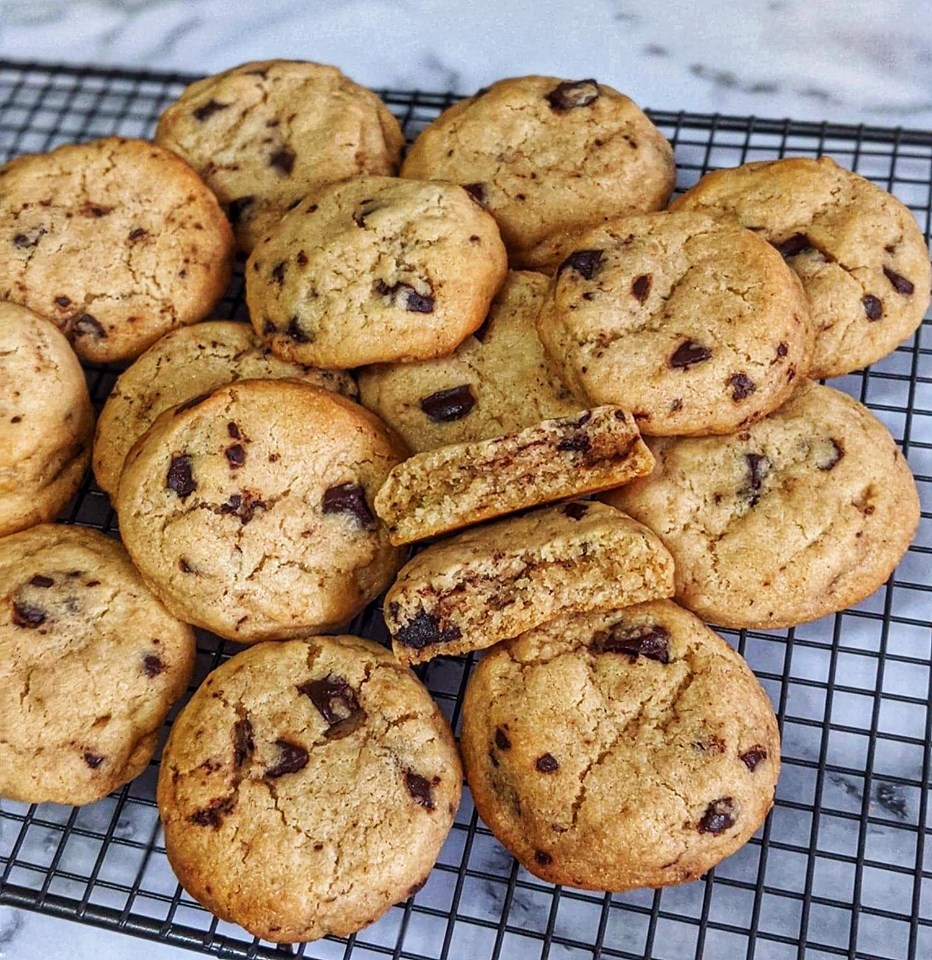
(498, 380)
(115, 241)
(695, 326)
(804, 513)
(465, 483)
(46, 420)
(610, 751)
(493, 582)
(182, 365)
(858, 251)
(266, 134)
(306, 787)
(90, 663)
(372, 270)
(548, 158)
(248, 510)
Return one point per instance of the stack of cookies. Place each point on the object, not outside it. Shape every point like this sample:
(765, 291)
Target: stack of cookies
(453, 353)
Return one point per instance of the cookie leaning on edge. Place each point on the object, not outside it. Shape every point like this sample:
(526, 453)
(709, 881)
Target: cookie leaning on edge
(610, 751)
(493, 582)
(306, 787)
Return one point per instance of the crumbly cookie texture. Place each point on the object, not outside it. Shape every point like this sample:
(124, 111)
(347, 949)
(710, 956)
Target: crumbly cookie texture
(46, 420)
(90, 663)
(548, 158)
(375, 269)
(609, 751)
(248, 511)
(184, 364)
(493, 582)
(696, 326)
(115, 241)
(497, 381)
(858, 251)
(804, 513)
(465, 483)
(306, 787)
(266, 134)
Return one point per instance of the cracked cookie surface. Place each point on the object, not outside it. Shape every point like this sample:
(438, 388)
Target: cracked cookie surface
(249, 510)
(375, 269)
(548, 159)
(693, 325)
(610, 751)
(858, 251)
(307, 787)
(115, 241)
(46, 420)
(90, 664)
(804, 513)
(182, 365)
(266, 134)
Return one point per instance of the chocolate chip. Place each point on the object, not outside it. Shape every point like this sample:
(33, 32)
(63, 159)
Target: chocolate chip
(751, 758)
(718, 817)
(782, 349)
(236, 456)
(86, 325)
(873, 306)
(180, 477)
(26, 240)
(742, 386)
(758, 468)
(477, 191)
(283, 159)
(40, 580)
(93, 760)
(184, 566)
(406, 296)
(650, 641)
(572, 94)
(243, 743)
(900, 283)
(424, 630)
(292, 757)
(688, 353)
(138, 233)
(236, 208)
(92, 583)
(95, 210)
(63, 301)
(794, 245)
(585, 262)
(301, 258)
(278, 272)
(191, 404)
(838, 451)
(244, 505)
(337, 703)
(212, 815)
(543, 858)
(575, 511)
(640, 288)
(233, 431)
(501, 739)
(444, 406)
(28, 615)
(349, 498)
(152, 665)
(578, 443)
(547, 763)
(420, 789)
(208, 109)
(295, 332)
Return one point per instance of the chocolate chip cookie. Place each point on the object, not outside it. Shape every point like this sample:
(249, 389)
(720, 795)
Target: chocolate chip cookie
(90, 663)
(496, 581)
(115, 241)
(375, 269)
(306, 787)
(46, 420)
(497, 381)
(266, 134)
(609, 751)
(249, 511)
(858, 251)
(548, 158)
(182, 365)
(465, 483)
(695, 326)
(804, 513)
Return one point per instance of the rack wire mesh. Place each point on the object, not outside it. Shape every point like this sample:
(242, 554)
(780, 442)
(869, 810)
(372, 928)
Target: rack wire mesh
(841, 868)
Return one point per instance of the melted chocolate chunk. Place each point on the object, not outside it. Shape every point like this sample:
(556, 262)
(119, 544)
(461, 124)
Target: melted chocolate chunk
(793, 246)
(406, 296)
(838, 451)
(208, 109)
(26, 240)
(283, 160)
(640, 288)
(236, 456)
(585, 262)
(742, 386)
(575, 511)
(444, 406)
(278, 272)
(718, 817)
(501, 739)
(93, 760)
(337, 703)
(292, 757)
(138, 233)
(751, 758)
(349, 498)
(758, 468)
(85, 325)
(190, 404)
(294, 331)
(572, 94)
(244, 505)
(40, 580)
(212, 815)
(28, 615)
(689, 353)
(873, 306)
(152, 665)
(543, 858)
(900, 283)
(420, 789)
(782, 349)
(651, 642)
(236, 208)
(424, 630)
(180, 477)
(233, 431)
(547, 763)
(243, 743)
(63, 301)
(477, 191)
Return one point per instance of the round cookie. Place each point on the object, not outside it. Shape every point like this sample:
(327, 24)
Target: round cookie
(46, 420)
(115, 241)
(498, 380)
(804, 513)
(90, 663)
(266, 134)
(858, 251)
(548, 158)
(248, 511)
(695, 326)
(609, 751)
(375, 269)
(182, 365)
(306, 787)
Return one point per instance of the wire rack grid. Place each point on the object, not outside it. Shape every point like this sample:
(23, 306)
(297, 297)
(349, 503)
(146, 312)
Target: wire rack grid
(841, 868)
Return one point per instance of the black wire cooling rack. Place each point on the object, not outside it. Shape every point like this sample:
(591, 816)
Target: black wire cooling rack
(841, 868)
